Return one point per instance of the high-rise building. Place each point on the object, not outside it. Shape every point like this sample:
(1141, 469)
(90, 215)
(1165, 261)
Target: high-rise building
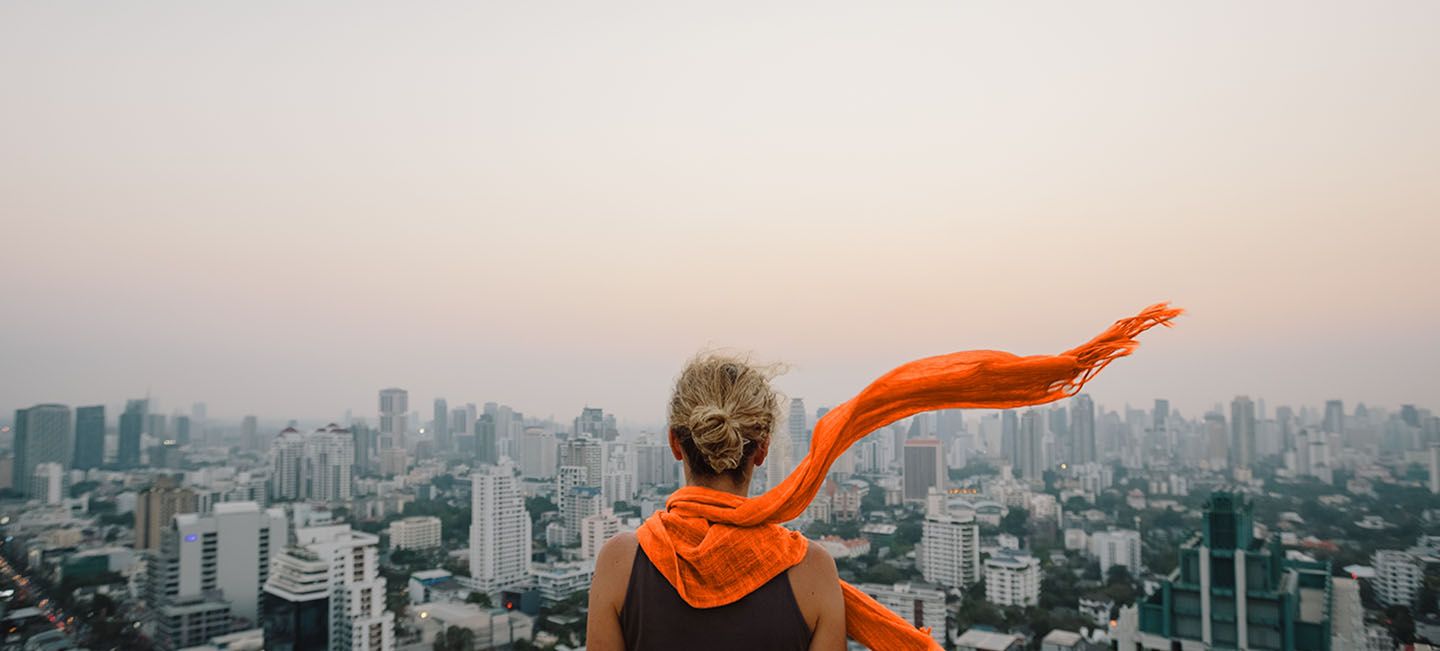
(1242, 432)
(287, 465)
(157, 507)
(1334, 417)
(50, 484)
(950, 550)
(1009, 432)
(329, 464)
(441, 424)
(499, 529)
(89, 437)
(799, 429)
(1116, 547)
(924, 468)
(1435, 469)
(394, 412)
(223, 557)
(362, 624)
(539, 453)
(182, 429)
(1012, 579)
(297, 602)
(590, 421)
(920, 604)
(1217, 440)
(585, 452)
(250, 433)
(1233, 591)
(157, 426)
(1082, 430)
(132, 425)
(43, 434)
(1161, 415)
(1030, 447)
(655, 465)
(487, 449)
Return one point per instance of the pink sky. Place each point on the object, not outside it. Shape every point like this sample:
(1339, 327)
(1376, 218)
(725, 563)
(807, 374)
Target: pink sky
(282, 209)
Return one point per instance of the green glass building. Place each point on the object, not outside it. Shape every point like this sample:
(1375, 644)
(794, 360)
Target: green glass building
(1234, 591)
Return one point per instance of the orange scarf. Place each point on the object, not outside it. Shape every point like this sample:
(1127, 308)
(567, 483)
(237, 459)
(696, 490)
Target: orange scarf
(715, 547)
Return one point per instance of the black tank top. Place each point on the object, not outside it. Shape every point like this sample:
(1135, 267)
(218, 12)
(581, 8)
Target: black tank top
(655, 617)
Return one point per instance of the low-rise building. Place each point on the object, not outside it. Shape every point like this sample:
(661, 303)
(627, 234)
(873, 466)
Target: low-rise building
(418, 532)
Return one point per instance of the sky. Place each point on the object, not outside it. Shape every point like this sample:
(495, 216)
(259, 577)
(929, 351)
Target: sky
(280, 208)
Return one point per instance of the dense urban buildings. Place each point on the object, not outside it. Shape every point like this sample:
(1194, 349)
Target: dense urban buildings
(1060, 526)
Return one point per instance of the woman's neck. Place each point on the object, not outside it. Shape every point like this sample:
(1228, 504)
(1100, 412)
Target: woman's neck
(722, 484)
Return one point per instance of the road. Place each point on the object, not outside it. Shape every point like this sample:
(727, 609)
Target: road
(30, 592)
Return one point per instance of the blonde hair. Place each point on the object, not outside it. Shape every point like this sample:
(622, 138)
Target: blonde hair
(722, 407)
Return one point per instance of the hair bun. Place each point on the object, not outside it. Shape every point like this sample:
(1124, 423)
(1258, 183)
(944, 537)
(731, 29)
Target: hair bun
(718, 436)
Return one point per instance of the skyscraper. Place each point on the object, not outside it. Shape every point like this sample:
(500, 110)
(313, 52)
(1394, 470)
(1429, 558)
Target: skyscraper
(499, 530)
(924, 468)
(1030, 447)
(132, 425)
(1082, 429)
(1242, 432)
(89, 437)
(1334, 417)
(1162, 415)
(394, 409)
(316, 466)
(182, 429)
(486, 447)
(590, 421)
(585, 452)
(1009, 431)
(799, 429)
(43, 434)
(441, 425)
(250, 433)
(538, 453)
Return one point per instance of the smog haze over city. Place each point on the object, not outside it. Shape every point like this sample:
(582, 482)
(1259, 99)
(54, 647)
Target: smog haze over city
(344, 272)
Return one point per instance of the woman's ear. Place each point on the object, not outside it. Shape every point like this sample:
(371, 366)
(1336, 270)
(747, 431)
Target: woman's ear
(675, 445)
(761, 449)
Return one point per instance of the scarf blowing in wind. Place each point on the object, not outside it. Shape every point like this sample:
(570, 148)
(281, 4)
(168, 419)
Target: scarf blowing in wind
(715, 547)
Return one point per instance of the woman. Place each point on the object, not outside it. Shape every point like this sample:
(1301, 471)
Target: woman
(732, 576)
(722, 415)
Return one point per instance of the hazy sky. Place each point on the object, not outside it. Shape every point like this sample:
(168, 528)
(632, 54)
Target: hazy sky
(280, 208)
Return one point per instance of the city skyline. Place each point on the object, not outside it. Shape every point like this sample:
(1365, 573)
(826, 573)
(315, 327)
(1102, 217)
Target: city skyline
(553, 210)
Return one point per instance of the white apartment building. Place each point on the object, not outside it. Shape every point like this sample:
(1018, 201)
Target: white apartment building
(418, 532)
(595, 530)
(557, 581)
(950, 551)
(917, 603)
(1398, 575)
(358, 619)
(315, 466)
(1012, 580)
(203, 557)
(499, 530)
(1116, 547)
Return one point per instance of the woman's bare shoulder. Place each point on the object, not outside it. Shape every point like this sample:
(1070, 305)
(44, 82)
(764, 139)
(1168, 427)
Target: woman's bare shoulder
(818, 568)
(612, 567)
